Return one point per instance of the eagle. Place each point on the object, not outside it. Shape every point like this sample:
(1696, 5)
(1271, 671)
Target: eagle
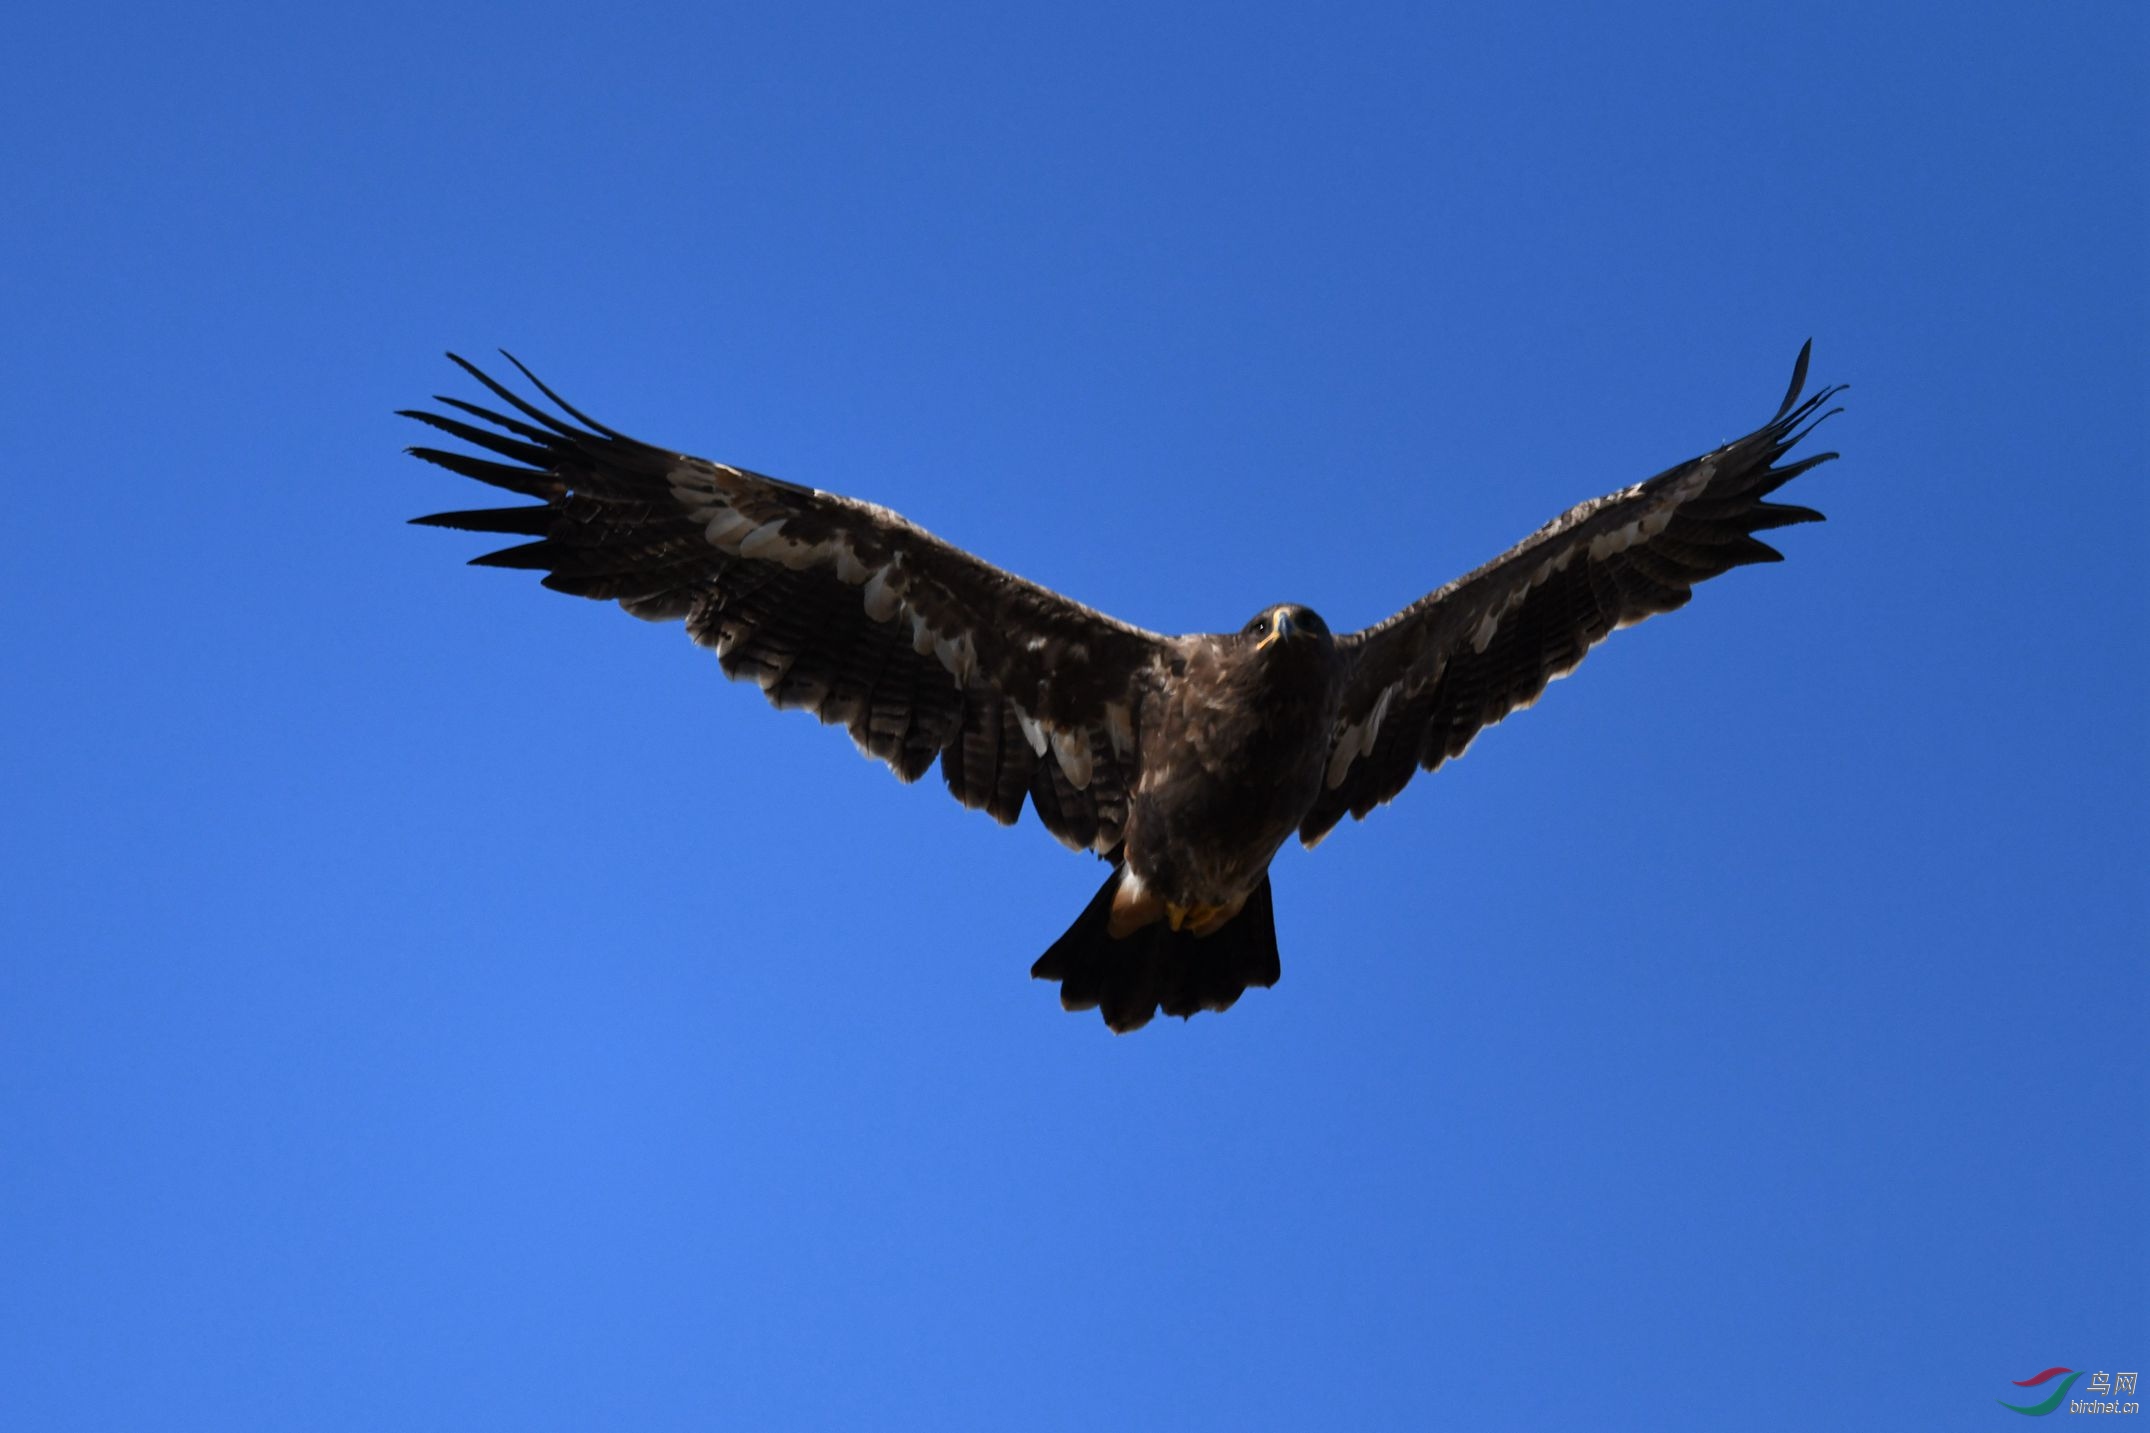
(1185, 762)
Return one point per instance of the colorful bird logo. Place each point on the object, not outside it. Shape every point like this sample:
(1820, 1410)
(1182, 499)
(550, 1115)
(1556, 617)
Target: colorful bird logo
(2040, 1410)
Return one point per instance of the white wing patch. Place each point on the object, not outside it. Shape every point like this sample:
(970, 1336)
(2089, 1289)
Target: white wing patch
(1482, 635)
(763, 540)
(726, 527)
(1072, 748)
(881, 600)
(849, 570)
(1359, 737)
(960, 657)
(1119, 728)
(1033, 732)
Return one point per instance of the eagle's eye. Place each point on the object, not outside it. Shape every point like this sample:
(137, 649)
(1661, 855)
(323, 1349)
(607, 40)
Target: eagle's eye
(1259, 627)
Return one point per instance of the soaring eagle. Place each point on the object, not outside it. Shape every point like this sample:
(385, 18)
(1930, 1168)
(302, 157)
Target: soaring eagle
(1184, 761)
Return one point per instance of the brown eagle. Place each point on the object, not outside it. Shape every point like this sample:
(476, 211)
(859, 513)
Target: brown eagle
(1184, 761)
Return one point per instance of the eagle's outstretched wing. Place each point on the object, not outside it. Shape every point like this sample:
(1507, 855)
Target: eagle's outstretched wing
(921, 650)
(1427, 680)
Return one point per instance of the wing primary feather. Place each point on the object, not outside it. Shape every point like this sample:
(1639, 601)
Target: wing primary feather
(529, 522)
(566, 407)
(638, 588)
(1794, 439)
(1769, 515)
(514, 425)
(506, 447)
(514, 399)
(529, 556)
(527, 481)
(1799, 378)
(1741, 551)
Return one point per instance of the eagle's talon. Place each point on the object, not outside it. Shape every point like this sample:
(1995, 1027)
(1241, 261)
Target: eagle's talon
(1200, 918)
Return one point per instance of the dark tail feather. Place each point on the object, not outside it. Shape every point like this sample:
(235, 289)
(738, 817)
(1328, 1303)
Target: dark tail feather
(1131, 979)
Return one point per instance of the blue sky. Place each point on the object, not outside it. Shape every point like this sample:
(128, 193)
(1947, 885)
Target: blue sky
(433, 1003)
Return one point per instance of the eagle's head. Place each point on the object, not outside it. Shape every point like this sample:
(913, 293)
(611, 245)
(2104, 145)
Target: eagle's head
(1289, 623)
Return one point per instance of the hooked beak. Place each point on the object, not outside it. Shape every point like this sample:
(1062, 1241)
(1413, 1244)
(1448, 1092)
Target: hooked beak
(1280, 625)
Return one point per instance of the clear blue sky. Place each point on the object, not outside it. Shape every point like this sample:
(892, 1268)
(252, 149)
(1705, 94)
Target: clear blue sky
(432, 1003)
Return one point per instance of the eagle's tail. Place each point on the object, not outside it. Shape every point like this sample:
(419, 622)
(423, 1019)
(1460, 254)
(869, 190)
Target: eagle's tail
(1131, 977)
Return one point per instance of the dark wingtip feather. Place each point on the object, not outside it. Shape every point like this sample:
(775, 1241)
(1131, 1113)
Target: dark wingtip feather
(526, 522)
(1751, 549)
(522, 405)
(1794, 439)
(513, 425)
(527, 481)
(1777, 477)
(1799, 378)
(529, 556)
(1774, 515)
(535, 454)
(566, 407)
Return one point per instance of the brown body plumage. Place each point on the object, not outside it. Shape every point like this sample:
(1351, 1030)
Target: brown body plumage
(1201, 832)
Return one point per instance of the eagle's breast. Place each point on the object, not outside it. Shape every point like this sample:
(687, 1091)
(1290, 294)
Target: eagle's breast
(1231, 765)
